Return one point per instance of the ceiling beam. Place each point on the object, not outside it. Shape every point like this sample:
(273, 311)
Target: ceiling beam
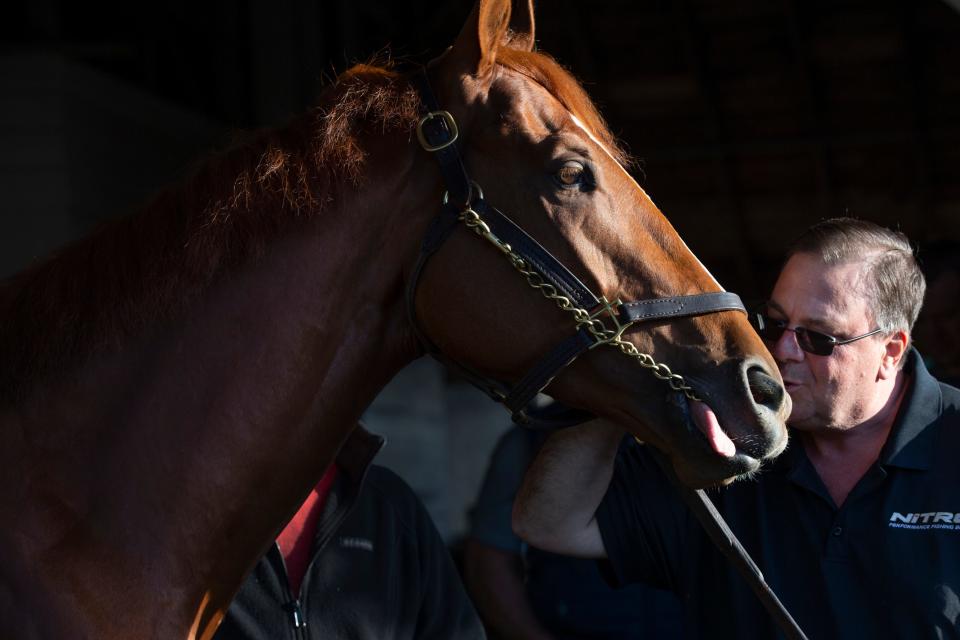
(953, 3)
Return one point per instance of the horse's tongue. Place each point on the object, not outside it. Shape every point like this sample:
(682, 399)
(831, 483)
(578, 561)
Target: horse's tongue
(707, 422)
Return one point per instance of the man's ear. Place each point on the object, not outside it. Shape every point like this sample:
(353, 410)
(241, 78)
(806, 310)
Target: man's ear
(491, 25)
(895, 350)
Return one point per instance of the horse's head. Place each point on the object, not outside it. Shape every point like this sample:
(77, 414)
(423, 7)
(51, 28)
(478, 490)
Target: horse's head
(541, 154)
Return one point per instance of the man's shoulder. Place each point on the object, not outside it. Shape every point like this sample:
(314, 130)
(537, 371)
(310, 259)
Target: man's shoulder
(932, 401)
(949, 418)
(639, 483)
(923, 378)
(388, 494)
(385, 484)
(951, 397)
(517, 447)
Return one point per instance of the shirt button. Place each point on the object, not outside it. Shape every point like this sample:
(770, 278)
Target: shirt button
(837, 531)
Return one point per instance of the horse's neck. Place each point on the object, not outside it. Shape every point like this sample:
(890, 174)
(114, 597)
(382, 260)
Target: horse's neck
(203, 436)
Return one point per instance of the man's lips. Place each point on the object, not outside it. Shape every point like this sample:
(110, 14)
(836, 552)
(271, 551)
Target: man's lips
(789, 380)
(706, 421)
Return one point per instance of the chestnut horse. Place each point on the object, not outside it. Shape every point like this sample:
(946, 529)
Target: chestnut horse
(173, 385)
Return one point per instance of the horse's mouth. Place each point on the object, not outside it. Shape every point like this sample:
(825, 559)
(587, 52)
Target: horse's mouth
(736, 459)
(707, 423)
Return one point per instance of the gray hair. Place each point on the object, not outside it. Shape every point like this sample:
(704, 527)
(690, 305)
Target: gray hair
(891, 281)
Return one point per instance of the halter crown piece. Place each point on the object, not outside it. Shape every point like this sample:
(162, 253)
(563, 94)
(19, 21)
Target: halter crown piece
(597, 321)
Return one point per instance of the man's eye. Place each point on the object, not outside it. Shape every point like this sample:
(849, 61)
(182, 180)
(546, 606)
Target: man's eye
(571, 174)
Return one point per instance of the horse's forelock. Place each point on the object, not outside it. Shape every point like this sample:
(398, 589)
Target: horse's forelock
(547, 72)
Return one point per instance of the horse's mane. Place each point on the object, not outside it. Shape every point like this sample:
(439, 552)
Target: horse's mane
(143, 269)
(146, 268)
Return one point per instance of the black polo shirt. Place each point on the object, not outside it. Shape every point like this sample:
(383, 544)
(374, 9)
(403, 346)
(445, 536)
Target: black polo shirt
(884, 565)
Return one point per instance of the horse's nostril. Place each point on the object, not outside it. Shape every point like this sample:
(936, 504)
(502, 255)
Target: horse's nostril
(764, 388)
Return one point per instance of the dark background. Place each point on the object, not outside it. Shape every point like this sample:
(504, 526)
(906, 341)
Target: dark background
(750, 118)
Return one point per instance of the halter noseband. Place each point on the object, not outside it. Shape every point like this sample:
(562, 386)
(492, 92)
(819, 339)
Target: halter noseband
(464, 203)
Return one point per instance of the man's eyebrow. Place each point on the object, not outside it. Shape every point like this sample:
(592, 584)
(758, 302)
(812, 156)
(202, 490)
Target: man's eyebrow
(811, 323)
(776, 307)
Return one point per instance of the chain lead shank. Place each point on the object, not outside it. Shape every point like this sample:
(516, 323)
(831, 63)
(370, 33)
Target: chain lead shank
(583, 319)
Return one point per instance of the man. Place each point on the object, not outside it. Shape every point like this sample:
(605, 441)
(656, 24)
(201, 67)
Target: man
(361, 559)
(856, 526)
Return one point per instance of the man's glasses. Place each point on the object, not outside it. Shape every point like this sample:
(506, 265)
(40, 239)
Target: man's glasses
(820, 344)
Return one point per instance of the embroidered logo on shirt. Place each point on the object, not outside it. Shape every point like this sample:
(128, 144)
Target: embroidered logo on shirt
(929, 520)
(356, 543)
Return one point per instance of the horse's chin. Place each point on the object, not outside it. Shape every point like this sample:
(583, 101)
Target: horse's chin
(697, 466)
(720, 471)
(703, 458)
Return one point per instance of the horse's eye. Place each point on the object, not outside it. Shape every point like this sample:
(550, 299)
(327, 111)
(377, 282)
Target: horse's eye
(571, 174)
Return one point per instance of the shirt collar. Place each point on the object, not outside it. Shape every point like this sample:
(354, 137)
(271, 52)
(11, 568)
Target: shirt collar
(796, 467)
(357, 453)
(912, 440)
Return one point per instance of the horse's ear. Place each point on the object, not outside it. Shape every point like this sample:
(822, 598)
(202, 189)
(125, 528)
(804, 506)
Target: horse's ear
(488, 28)
(521, 26)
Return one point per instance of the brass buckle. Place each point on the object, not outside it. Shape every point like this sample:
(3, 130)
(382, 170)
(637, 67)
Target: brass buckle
(609, 308)
(451, 125)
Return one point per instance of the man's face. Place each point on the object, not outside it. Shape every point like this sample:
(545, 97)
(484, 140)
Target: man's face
(832, 392)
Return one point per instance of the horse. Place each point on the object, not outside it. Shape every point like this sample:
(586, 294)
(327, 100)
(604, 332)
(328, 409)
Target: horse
(173, 385)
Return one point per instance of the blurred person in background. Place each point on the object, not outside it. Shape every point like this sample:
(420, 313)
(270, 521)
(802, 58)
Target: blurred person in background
(361, 559)
(525, 593)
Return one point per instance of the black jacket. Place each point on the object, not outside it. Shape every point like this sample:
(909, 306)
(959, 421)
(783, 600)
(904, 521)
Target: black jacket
(379, 569)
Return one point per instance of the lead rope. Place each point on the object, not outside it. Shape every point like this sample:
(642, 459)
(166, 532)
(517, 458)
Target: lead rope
(719, 532)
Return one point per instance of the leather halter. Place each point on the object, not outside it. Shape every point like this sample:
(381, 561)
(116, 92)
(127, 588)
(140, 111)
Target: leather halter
(438, 134)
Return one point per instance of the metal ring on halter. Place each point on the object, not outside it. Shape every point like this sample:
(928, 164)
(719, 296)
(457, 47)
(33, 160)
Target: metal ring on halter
(473, 187)
(448, 119)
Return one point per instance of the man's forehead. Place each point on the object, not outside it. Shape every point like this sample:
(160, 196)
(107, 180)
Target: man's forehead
(811, 272)
(809, 311)
(819, 292)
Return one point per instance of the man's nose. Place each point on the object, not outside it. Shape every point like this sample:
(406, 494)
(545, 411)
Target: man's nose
(787, 348)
